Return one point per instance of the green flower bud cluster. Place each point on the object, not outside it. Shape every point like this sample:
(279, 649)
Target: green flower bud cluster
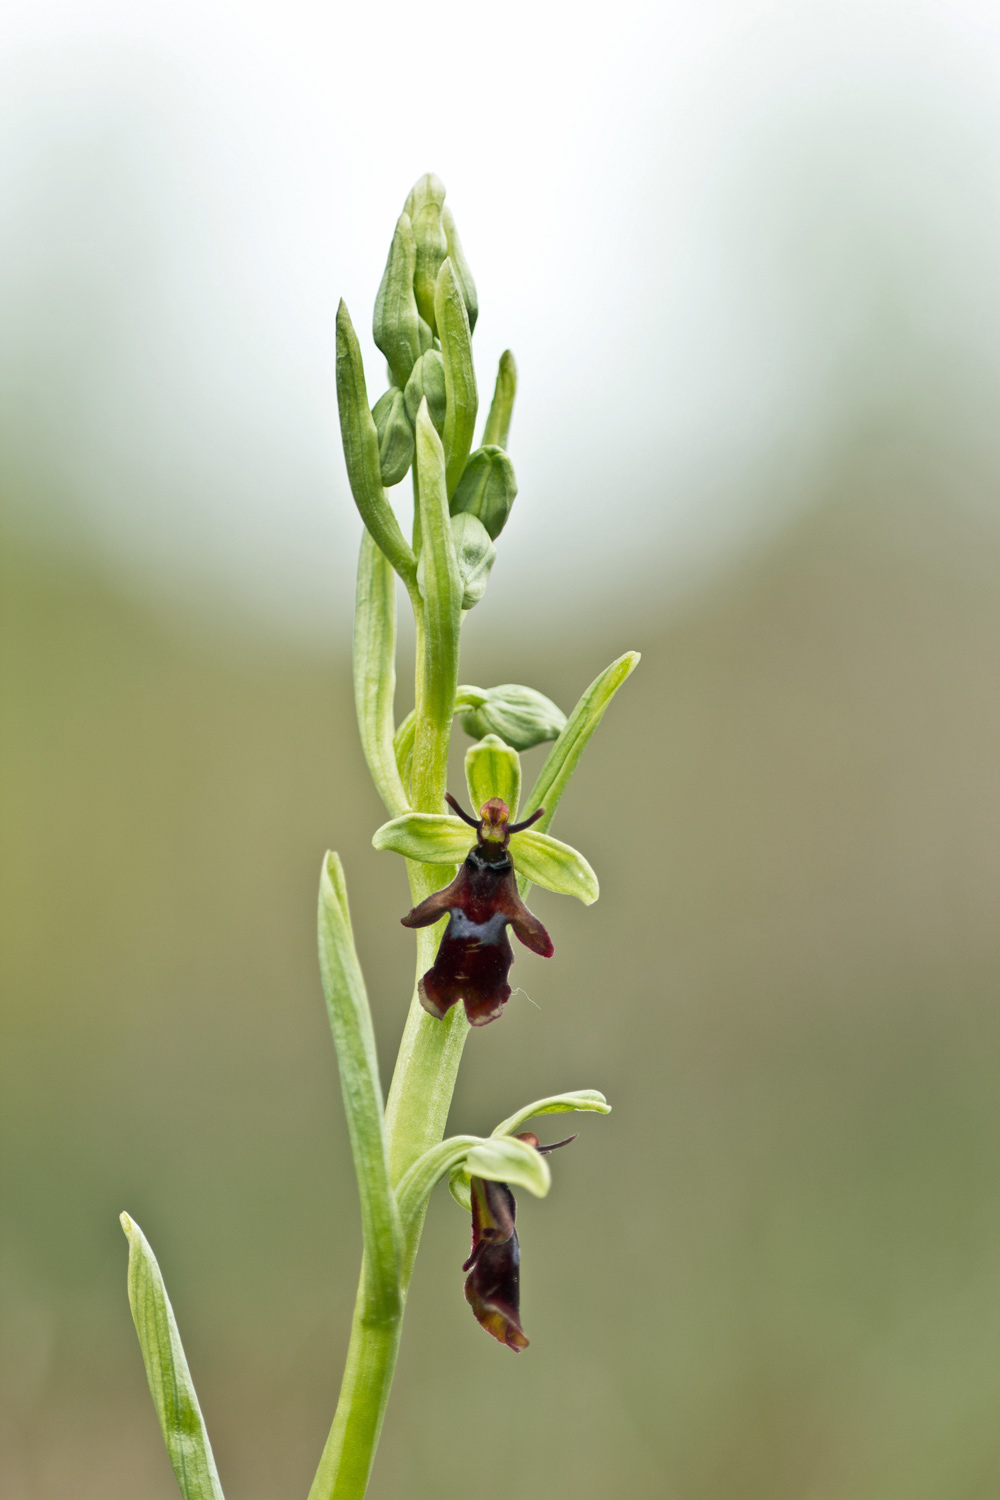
(425, 313)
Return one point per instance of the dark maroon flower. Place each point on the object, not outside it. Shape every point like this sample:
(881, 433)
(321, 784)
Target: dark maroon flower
(475, 955)
(493, 1285)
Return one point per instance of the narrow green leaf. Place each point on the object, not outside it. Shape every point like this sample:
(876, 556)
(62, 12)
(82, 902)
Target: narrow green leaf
(360, 439)
(170, 1382)
(556, 1104)
(396, 323)
(375, 671)
(493, 769)
(354, 1039)
(497, 429)
(459, 372)
(565, 754)
(441, 610)
(556, 866)
(433, 838)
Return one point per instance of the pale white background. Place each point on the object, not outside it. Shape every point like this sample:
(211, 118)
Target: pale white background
(723, 240)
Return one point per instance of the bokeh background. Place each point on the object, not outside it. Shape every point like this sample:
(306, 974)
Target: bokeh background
(748, 258)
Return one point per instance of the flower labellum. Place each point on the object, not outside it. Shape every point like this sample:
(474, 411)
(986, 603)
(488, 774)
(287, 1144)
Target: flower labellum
(475, 955)
(493, 1285)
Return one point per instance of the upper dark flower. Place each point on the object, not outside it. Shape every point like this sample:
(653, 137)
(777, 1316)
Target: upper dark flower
(475, 955)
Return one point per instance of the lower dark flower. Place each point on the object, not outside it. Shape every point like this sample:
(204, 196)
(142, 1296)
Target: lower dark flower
(493, 1285)
(475, 955)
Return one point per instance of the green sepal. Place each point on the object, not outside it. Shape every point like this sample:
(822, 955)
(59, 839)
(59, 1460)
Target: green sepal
(565, 754)
(475, 554)
(395, 323)
(500, 1159)
(487, 489)
(462, 1156)
(458, 1187)
(436, 839)
(505, 1159)
(493, 769)
(427, 379)
(433, 838)
(459, 372)
(556, 866)
(457, 257)
(424, 207)
(497, 429)
(402, 746)
(375, 672)
(354, 1040)
(170, 1383)
(361, 451)
(419, 1181)
(520, 715)
(395, 435)
(555, 1104)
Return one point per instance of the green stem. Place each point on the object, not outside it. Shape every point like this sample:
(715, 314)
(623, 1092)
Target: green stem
(429, 1053)
(430, 1050)
(346, 1465)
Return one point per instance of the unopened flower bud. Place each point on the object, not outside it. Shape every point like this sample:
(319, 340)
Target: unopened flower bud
(487, 489)
(476, 555)
(427, 380)
(425, 207)
(395, 435)
(521, 716)
(395, 325)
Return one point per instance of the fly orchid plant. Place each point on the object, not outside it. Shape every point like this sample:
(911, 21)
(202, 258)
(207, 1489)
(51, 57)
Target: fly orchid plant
(468, 874)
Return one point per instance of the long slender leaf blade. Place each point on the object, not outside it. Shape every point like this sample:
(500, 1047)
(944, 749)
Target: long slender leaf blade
(564, 757)
(375, 671)
(565, 754)
(170, 1383)
(354, 1039)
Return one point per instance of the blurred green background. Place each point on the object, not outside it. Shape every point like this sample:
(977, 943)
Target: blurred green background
(772, 1272)
(750, 273)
